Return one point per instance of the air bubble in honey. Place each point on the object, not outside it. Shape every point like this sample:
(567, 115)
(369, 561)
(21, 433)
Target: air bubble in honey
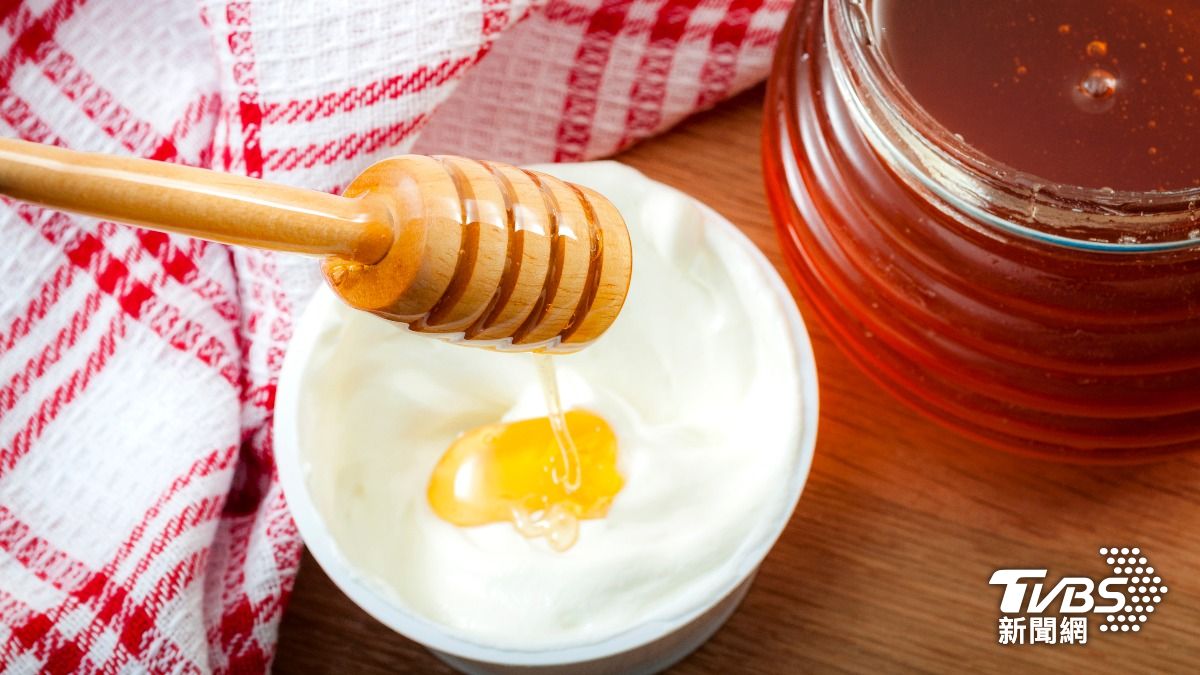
(1098, 84)
(1097, 48)
(1094, 72)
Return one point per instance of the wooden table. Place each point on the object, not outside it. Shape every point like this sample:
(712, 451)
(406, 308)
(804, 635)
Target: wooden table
(885, 565)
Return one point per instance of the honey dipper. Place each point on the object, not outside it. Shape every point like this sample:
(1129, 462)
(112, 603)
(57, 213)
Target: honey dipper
(482, 252)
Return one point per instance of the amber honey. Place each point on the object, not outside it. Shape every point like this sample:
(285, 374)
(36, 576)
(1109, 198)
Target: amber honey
(992, 206)
(543, 475)
(1095, 93)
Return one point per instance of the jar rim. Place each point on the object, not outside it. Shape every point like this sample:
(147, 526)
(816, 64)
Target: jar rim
(941, 162)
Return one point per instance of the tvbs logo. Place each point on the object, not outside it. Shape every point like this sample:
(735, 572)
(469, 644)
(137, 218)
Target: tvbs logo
(1125, 599)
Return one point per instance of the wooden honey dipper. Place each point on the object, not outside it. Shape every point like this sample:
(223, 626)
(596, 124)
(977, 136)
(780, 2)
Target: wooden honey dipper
(482, 252)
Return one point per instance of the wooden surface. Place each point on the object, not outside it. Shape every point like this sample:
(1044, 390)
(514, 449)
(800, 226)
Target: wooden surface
(885, 564)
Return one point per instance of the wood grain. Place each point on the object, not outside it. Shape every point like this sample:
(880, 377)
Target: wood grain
(196, 202)
(425, 241)
(489, 251)
(885, 565)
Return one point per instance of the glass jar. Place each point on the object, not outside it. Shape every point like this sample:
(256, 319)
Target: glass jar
(1040, 318)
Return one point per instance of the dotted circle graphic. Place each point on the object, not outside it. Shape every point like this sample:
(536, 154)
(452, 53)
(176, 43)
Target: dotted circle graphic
(1144, 590)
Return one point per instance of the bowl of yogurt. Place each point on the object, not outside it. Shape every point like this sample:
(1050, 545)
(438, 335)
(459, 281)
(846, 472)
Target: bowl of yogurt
(708, 382)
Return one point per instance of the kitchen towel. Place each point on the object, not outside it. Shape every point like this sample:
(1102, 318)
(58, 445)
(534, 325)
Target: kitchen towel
(142, 527)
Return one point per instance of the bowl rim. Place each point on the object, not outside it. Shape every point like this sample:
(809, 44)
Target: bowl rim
(367, 595)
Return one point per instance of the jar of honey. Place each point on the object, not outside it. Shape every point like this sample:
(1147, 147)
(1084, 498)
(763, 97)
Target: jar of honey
(995, 209)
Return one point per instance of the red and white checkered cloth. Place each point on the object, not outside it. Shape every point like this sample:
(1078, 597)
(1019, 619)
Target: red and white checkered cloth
(142, 527)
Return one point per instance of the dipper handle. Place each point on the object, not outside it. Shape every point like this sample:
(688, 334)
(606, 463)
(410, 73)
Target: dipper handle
(196, 202)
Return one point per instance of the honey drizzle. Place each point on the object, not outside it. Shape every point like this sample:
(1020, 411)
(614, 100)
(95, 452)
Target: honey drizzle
(558, 525)
(542, 475)
(569, 477)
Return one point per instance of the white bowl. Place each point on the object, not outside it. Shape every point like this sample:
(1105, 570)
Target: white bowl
(647, 647)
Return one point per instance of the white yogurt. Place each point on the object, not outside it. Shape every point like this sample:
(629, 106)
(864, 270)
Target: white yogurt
(697, 377)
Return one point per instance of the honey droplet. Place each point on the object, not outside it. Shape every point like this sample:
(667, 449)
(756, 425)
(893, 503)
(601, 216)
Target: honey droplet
(1022, 70)
(1152, 151)
(1064, 29)
(508, 472)
(1097, 48)
(337, 274)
